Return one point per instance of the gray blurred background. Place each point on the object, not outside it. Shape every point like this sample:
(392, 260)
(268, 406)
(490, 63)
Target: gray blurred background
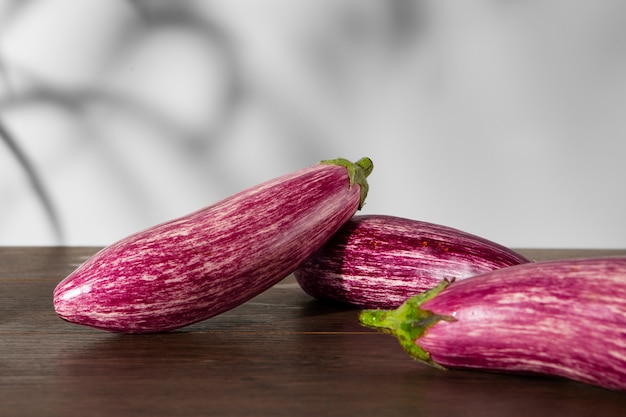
(502, 118)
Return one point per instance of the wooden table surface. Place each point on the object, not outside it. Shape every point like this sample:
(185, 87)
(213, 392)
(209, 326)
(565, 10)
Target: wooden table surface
(280, 354)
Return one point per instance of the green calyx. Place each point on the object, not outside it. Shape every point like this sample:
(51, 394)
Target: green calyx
(357, 173)
(408, 322)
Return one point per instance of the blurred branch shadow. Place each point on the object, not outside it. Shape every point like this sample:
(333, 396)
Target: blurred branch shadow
(35, 181)
(151, 14)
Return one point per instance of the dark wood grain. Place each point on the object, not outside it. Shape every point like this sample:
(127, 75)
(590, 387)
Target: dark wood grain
(280, 354)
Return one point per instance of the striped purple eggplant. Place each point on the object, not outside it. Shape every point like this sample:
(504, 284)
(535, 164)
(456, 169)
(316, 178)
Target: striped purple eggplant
(378, 261)
(205, 263)
(564, 318)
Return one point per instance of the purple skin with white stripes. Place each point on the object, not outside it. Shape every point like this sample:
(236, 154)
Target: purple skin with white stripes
(378, 261)
(564, 318)
(210, 261)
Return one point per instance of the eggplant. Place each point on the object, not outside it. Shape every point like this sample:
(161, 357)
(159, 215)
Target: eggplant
(378, 261)
(192, 268)
(562, 318)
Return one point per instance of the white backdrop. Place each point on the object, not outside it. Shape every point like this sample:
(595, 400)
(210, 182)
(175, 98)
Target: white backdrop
(501, 118)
